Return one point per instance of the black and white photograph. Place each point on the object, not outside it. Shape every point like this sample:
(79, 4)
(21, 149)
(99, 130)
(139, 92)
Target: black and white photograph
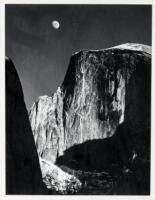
(78, 99)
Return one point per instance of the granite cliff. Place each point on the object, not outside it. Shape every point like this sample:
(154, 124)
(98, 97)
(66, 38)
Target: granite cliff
(105, 95)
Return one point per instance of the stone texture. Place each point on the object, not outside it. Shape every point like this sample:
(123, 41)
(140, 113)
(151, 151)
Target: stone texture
(57, 180)
(102, 91)
(23, 174)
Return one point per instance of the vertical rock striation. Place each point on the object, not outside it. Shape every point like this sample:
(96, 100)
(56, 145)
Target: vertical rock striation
(102, 89)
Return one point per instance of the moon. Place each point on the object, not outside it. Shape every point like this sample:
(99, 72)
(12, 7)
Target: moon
(55, 24)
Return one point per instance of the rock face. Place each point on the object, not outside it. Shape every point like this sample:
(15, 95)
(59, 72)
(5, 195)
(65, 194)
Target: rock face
(23, 174)
(102, 90)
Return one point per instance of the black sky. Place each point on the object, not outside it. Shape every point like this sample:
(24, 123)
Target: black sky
(41, 54)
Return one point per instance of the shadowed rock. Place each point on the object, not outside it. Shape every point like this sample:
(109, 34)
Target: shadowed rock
(23, 174)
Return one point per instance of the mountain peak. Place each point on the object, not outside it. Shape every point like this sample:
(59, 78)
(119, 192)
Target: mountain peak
(102, 90)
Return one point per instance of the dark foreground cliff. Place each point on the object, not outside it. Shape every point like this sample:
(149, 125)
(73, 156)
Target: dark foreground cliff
(23, 174)
(99, 119)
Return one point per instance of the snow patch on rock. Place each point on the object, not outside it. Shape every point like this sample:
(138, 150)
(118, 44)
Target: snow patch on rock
(57, 180)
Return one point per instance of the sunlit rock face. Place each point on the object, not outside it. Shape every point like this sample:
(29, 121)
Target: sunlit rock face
(91, 102)
(46, 117)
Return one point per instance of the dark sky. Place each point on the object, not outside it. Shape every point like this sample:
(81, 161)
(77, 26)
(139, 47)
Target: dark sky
(41, 53)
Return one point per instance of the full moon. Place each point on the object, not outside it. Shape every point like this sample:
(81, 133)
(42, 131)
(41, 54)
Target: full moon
(55, 24)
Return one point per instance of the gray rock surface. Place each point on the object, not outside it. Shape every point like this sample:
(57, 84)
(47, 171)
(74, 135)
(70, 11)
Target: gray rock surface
(102, 89)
